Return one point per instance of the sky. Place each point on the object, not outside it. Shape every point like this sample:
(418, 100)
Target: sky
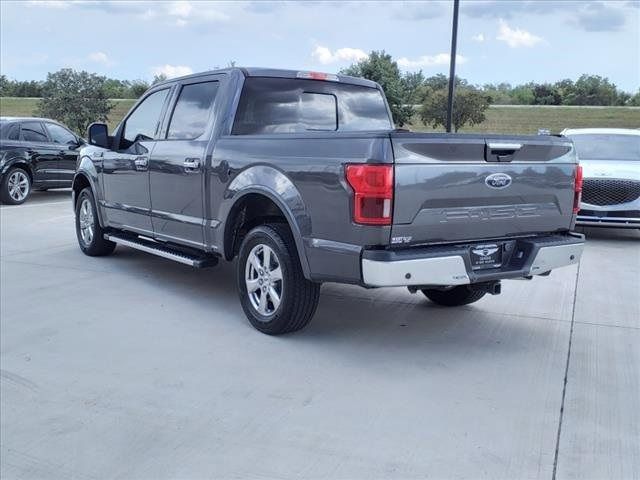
(498, 40)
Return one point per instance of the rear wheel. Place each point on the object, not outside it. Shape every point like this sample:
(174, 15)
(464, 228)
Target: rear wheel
(453, 297)
(16, 186)
(88, 230)
(274, 294)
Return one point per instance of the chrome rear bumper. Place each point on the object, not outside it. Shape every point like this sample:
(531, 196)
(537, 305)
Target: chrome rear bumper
(439, 266)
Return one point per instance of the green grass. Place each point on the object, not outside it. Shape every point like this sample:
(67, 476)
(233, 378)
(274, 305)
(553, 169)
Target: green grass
(500, 119)
(527, 120)
(28, 107)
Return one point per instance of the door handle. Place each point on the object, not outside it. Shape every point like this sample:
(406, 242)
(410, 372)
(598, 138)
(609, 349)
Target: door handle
(191, 163)
(141, 163)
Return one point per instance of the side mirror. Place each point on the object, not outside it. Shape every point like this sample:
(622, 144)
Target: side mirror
(98, 135)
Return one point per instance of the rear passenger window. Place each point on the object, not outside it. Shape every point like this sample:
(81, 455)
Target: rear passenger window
(33, 132)
(284, 105)
(9, 131)
(191, 113)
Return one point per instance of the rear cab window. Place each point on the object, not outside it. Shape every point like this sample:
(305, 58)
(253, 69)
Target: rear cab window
(285, 105)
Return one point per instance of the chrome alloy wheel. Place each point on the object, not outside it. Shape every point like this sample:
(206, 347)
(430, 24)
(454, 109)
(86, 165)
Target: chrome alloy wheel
(263, 277)
(18, 185)
(86, 221)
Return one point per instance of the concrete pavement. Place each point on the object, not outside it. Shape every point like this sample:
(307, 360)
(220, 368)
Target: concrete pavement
(132, 366)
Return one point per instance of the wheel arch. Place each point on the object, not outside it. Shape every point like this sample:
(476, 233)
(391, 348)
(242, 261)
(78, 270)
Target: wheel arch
(19, 162)
(273, 206)
(86, 176)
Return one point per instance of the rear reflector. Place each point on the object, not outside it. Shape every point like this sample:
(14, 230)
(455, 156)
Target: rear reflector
(372, 193)
(577, 189)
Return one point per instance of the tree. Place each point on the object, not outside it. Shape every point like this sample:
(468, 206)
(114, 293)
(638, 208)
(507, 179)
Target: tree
(75, 98)
(137, 88)
(635, 100)
(469, 105)
(545, 94)
(380, 67)
(592, 90)
(159, 77)
(413, 83)
(5, 86)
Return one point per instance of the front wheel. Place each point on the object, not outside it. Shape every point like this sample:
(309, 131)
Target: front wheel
(16, 186)
(453, 297)
(88, 230)
(274, 294)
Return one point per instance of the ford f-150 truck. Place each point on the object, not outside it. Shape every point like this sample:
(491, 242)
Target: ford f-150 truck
(303, 177)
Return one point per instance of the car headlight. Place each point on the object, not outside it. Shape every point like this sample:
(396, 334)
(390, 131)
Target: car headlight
(2, 156)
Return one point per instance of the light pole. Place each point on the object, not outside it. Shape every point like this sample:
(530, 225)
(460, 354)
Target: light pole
(452, 64)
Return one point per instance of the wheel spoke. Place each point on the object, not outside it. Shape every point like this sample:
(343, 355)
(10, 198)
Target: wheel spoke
(276, 273)
(275, 298)
(262, 306)
(255, 261)
(252, 285)
(266, 257)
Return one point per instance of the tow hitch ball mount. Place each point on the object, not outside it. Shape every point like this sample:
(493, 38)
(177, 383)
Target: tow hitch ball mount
(492, 288)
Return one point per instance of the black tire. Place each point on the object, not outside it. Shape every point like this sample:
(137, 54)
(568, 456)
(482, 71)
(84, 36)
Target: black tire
(298, 298)
(96, 245)
(8, 192)
(454, 297)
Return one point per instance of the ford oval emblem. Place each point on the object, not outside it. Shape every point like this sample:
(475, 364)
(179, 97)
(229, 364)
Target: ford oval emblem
(498, 180)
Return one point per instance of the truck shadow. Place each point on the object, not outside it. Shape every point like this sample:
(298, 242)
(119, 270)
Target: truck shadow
(363, 320)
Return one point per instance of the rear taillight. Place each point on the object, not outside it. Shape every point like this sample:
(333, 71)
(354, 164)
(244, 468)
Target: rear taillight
(372, 193)
(577, 189)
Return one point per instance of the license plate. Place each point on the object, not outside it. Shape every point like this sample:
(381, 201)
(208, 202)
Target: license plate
(486, 256)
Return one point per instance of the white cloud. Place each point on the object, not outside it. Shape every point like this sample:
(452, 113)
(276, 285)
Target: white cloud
(325, 56)
(180, 9)
(171, 71)
(100, 57)
(430, 61)
(478, 38)
(185, 12)
(516, 37)
(58, 4)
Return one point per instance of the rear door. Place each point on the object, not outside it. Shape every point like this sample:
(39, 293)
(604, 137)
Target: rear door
(178, 162)
(125, 170)
(455, 187)
(43, 154)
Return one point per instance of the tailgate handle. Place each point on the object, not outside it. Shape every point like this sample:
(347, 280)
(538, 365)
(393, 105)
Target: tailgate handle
(501, 152)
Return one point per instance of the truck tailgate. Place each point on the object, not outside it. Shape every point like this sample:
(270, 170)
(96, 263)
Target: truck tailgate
(456, 187)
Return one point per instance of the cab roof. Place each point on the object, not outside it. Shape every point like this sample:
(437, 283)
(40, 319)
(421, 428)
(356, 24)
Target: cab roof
(279, 73)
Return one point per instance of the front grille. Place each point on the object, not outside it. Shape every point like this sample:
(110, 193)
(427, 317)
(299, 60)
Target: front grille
(601, 191)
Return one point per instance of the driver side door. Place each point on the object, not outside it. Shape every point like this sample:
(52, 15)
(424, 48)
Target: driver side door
(125, 168)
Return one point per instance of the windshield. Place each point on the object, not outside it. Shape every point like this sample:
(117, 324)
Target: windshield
(607, 146)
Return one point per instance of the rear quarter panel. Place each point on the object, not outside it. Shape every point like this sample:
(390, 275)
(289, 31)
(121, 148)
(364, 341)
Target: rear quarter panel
(306, 171)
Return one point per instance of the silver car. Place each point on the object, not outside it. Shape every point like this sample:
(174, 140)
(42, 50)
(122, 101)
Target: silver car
(610, 159)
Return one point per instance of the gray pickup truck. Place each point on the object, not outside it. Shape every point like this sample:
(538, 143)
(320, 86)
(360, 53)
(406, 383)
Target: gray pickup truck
(303, 177)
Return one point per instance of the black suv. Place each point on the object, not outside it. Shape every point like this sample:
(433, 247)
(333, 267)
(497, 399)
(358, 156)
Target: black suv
(35, 153)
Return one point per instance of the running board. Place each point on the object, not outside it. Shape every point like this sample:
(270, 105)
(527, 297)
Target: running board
(164, 251)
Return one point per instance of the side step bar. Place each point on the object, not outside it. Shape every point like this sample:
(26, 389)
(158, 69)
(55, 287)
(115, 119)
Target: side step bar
(164, 251)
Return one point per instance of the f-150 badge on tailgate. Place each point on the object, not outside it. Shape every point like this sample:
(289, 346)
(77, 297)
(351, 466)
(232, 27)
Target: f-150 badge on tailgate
(498, 180)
